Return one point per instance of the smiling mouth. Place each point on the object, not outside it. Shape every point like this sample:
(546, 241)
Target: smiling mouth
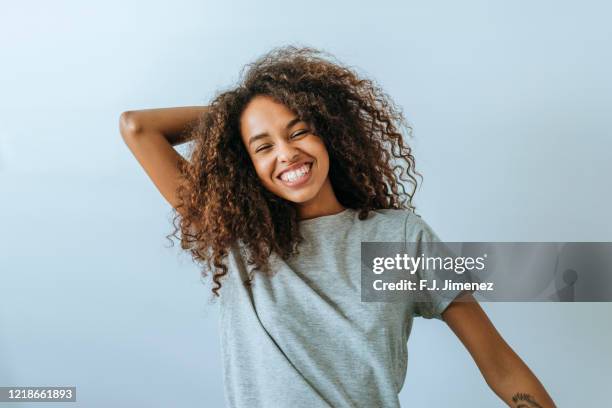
(298, 176)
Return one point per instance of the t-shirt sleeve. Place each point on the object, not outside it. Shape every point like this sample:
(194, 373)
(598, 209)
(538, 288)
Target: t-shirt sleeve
(421, 237)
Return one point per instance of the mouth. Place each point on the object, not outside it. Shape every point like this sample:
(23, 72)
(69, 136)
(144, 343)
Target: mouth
(297, 177)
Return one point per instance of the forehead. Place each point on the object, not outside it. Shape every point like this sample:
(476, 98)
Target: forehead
(262, 114)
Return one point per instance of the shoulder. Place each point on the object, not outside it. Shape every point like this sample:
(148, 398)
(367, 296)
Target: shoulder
(415, 228)
(398, 215)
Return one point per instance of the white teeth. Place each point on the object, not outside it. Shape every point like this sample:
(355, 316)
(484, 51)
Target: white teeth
(295, 174)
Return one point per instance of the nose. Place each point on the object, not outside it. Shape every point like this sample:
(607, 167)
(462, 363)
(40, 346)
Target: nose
(287, 152)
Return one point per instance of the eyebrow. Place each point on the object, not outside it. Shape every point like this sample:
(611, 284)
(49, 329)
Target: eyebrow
(265, 134)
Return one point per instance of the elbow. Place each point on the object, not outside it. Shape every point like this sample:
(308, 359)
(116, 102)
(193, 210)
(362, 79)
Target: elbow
(129, 125)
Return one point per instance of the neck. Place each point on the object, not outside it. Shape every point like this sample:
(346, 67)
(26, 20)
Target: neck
(324, 203)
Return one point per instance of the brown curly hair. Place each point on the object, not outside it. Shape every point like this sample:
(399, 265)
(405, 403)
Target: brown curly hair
(222, 198)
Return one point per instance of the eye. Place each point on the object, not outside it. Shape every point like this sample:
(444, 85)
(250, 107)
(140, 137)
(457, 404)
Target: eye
(299, 133)
(262, 148)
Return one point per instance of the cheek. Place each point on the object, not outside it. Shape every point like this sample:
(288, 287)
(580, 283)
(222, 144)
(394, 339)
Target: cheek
(264, 169)
(322, 156)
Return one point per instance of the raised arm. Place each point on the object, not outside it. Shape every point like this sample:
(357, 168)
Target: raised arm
(151, 135)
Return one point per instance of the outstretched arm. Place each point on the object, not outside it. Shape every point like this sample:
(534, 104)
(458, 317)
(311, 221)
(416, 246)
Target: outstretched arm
(503, 370)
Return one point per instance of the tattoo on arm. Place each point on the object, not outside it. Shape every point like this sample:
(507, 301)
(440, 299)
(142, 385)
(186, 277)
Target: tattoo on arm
(524, 401)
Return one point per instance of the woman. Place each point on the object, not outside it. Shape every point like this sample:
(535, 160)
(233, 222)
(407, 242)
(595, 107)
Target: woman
(290, 171)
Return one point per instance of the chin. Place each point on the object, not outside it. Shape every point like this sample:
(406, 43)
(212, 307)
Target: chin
(299, 196)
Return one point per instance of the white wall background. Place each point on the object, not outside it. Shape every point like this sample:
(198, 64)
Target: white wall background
(510, 103)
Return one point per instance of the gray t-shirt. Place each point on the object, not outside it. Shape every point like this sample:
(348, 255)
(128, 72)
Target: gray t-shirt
(302, 337)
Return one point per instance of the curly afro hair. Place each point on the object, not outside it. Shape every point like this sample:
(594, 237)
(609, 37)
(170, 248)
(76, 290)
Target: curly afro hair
(223, 201)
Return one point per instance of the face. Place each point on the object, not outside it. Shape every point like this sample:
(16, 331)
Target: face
(289, 159)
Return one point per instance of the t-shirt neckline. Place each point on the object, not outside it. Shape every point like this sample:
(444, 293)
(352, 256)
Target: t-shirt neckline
(346, 213)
